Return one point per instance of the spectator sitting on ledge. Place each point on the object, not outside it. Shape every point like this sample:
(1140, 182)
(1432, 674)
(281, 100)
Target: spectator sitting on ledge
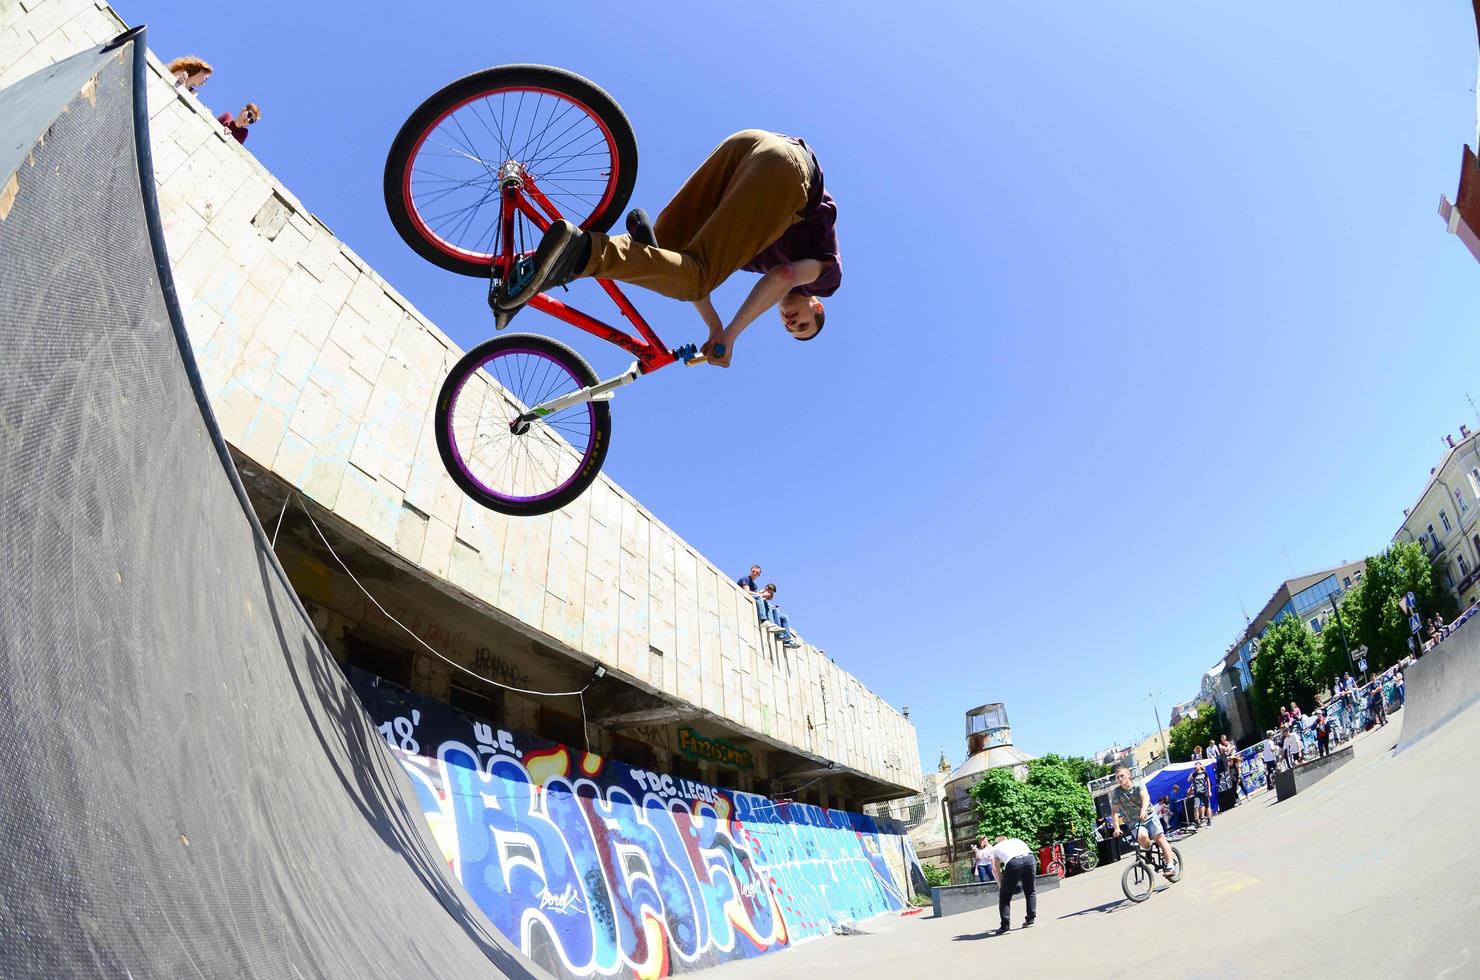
(771, 615)
(237, 125)
(748, 582)
(190, 72)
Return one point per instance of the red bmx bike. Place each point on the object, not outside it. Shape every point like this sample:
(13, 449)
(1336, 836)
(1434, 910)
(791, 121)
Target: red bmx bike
(473, 179)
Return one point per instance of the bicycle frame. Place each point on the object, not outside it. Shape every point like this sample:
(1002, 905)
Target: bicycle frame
(521, 195)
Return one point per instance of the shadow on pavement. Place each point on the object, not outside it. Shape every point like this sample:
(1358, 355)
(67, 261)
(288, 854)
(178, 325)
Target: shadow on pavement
(989, 934)
(1106, 908)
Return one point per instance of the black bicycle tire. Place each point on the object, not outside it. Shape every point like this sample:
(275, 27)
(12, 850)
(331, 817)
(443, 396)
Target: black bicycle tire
(1125, 886)
(568, 83)
(470, 362)
(1178, 855)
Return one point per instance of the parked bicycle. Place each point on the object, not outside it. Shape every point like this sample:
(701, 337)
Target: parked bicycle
(1138, 880)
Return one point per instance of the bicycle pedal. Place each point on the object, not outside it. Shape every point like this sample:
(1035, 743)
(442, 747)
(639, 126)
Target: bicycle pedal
(501, 318)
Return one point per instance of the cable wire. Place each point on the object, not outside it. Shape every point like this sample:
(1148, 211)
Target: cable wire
(430, 649)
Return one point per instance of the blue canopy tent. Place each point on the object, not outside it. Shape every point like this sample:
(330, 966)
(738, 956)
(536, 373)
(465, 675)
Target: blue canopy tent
(1179, 775)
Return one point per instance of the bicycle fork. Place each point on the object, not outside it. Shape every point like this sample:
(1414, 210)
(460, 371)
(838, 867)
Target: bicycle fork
(602, 391)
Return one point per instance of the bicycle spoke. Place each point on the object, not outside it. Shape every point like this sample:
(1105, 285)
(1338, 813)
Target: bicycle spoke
(454, 174)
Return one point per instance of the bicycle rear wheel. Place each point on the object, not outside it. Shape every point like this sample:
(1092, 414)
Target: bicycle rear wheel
(1089, 860)
(1176, 854)
(1136, 882)
(561, 130)
(517, 468)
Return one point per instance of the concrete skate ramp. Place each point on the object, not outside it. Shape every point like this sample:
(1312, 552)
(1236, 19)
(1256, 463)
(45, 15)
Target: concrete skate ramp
(1442, 684)
(188, 787)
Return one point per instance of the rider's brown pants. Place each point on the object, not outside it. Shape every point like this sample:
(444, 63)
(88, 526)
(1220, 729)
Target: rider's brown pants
(749, 190)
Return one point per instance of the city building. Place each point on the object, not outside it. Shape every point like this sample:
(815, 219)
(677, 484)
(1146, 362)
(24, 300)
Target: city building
(1446, 517)
(1311, 597)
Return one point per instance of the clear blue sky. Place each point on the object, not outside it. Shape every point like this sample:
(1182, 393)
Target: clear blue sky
(1139, 298)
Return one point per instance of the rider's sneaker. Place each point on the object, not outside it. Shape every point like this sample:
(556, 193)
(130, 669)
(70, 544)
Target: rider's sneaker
(1028, 924)
(561, 256)
(1003, 929)
(641, 228)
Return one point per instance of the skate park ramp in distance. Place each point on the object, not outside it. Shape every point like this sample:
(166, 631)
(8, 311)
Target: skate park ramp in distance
(190, 788)
(1441, 684)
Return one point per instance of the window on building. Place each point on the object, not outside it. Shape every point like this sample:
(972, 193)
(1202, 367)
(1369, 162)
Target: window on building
(633, 752)
(1464, 567)
(393, 665)
(557, 726)
(1346, 581)
(1315, 625)
(1444, 519)
(485, 705)
(1475, 480)
(1459, 498)
(1448, 579)
(1433, 538)
(1358, 576)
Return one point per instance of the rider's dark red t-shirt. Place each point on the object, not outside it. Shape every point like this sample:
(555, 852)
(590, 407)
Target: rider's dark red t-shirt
(813, 237)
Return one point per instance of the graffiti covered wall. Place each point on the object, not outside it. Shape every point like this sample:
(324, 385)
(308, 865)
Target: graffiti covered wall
(597, 868)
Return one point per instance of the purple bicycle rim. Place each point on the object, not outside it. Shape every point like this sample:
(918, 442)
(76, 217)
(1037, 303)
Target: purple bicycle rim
(462, 463)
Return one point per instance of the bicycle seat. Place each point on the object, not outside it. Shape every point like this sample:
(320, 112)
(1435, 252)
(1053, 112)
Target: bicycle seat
(640, 228)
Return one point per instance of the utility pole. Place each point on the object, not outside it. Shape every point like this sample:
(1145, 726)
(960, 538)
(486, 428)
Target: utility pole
(1160, 736)
(1345, 645)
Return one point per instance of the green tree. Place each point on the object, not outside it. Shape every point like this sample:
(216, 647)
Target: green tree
(1201, 729)
(1287, 668)
(1088, 768)
(1378, 622)
(1051, 804)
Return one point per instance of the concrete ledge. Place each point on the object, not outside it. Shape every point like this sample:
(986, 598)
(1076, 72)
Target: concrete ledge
(1292, 781)
(953, 899)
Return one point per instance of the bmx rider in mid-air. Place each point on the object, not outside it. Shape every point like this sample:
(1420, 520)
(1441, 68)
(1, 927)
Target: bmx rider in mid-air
(756, 203)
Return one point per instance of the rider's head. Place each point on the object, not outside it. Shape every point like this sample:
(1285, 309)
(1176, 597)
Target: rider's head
(802, 316)
(1123, 775)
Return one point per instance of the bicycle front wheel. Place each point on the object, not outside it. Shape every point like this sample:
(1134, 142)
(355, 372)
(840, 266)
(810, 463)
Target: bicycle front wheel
(554, 128)
(521, 468)
(1136, 882)
(1089, 860)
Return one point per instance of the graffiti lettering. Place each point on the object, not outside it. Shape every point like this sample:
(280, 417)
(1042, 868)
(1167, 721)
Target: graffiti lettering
(697, 746)
(488, 664)
(563, 902)
(598, 869)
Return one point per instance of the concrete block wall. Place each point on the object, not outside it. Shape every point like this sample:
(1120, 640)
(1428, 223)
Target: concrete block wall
(322, 373)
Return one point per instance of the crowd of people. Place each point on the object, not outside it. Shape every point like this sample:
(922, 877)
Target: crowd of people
(191, 72)
(772, 619)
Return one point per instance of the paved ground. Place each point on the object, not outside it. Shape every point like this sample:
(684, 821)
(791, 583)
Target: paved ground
(1370, 873)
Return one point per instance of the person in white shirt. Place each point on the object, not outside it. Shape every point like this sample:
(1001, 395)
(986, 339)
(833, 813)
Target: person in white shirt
(1271, 756)
(1013, 865)
(983, 852)
(1294, 748)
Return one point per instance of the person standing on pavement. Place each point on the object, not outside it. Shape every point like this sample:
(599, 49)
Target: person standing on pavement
(983, 852)
(1323, 734)
(1012, 865)
(1293, 748)
(1270, 755)
(1202, 810)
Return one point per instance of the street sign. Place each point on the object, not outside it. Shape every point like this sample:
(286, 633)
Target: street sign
(1414, 623)
(1412, 647)
(1409, 603)
(1362, 665)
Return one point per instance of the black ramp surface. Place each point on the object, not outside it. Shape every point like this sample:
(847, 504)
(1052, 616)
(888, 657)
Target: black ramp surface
(188, 787)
